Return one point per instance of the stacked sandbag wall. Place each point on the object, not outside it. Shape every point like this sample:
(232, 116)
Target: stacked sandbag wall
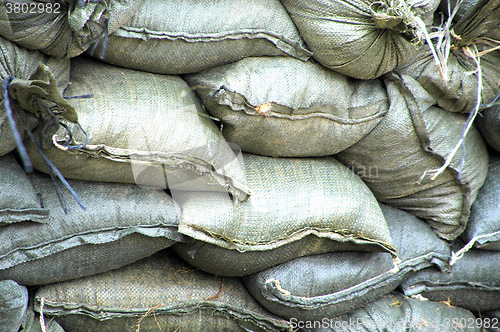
(262, 165)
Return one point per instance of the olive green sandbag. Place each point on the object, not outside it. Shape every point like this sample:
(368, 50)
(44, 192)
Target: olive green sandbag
(18, 199)
(186, 36)
(472, 283)
(332, 284)
(361, 38)
(488, 125)
(24, 65)
(159, 293)
(396, 313)
(298, 207)
(13, 304)
(62, 28)
(456, 89)
(409, 144)
(483, 228)
(311, 111)
(143, 128)
(121, 224)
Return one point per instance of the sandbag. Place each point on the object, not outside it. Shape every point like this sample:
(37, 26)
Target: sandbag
(483, 228)
(24, 65)
(299, 206)
(488, 124)
(180, 37)
(18, 199)
(142, 128)
(157, 293)
(62, 28)
(409, 144)
(285, 107)
(121, 224)
(473, 282)
(13, 304)
(332, 284)
(456, 89)
(395, 313)
(31, 321)
(361, 38)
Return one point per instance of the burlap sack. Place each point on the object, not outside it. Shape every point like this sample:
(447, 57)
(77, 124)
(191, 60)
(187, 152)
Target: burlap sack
(329, 285)
(62, 28)
(473, 283)
(122, 223)
(13, 304)
(457, 91)
(483, 228)
(23, 64)
(179, 37)
(18, 199)
(298, 207)
(409, 144)
(281, 106)
(360, 38)
(396, 313)
(142, 128)
(159, 293)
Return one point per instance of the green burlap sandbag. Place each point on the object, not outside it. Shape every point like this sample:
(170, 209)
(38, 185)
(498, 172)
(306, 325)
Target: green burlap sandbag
(13, 304)
(456, 89)
(488, 125)
(186, 36)
(62, 28)
(328, 285)
(35, 84)
(281, 106)
(122, 223)
(396, 313)
(18, 199)
(406, 149)
(143, 128)
(473, 282)
(159, 293)
(360, 38)
(298, 207)
(483, 228)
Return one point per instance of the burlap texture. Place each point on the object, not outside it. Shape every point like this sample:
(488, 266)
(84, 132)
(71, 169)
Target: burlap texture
(412, 140)
(143, 128)
(360, 38)
(160, 292)
(179, 37)
(122, 223)
(313, 111)
(13, 304)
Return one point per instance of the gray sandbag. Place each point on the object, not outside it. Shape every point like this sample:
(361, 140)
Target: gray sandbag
(142, 128)
(395, 313)
(62, 28)
(18, 199)
(406, 149)
(488, 124)
(456, 89)
(361, 38)
(298, 207)
(24, 65)
(472, 283)
(159, 293)
(186, 36)
(122, 223)
(332, 284)
(483, 228)
(13, 304)
(281, 106)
